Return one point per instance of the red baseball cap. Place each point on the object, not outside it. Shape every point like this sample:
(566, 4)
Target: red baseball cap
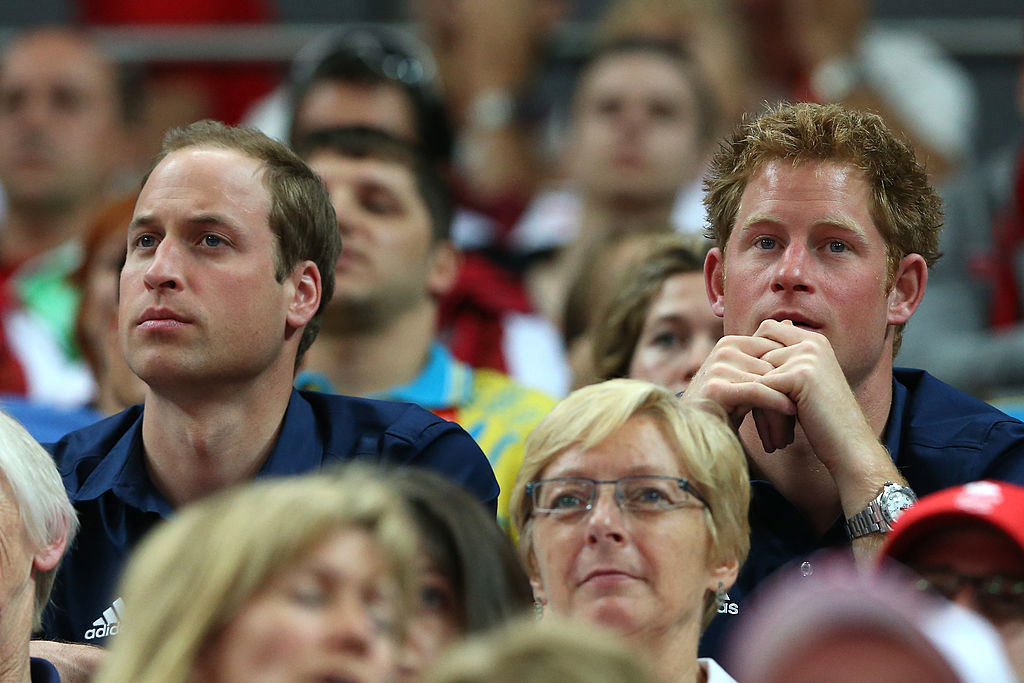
(992, 503)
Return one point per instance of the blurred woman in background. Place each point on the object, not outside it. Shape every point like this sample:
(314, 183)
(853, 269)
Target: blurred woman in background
(659, 325)
(471, 579)
(301, 578)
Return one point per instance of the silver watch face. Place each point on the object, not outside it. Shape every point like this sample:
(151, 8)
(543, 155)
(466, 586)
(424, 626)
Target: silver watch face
(895, 502)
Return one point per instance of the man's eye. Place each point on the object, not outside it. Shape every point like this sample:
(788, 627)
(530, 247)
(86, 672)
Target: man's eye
(766, 243)
(145, 241)
(836, 247)
(381, 202)
(11, 101)
(663, 110)
(609, 106)
(211, 240)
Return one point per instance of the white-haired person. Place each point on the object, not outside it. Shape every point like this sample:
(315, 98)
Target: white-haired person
(37, 522)
(297, 578)
(632, 513)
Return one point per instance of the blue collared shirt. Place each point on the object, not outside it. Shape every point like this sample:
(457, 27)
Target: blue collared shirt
(443, 382)
(41, 671)
(104, 471)
(938, 437)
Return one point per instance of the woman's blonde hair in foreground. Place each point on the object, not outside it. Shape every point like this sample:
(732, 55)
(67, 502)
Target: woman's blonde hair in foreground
(702, 441)
(547, 651)
(190, 576)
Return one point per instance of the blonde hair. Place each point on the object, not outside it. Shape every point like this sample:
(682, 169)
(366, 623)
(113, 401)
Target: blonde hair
(548, 651)
(705, 446)
(191, 575)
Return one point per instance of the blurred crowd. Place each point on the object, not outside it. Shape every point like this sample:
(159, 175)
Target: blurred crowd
(584, 368)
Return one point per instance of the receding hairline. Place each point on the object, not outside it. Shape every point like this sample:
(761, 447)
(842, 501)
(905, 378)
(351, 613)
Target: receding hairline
(260, 174)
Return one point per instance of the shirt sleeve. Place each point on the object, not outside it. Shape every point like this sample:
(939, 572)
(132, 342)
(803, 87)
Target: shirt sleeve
(454, 454)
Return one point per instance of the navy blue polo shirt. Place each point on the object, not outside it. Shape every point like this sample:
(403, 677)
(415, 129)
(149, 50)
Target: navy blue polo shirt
(41, 671)
(938, 437)
(105, 474)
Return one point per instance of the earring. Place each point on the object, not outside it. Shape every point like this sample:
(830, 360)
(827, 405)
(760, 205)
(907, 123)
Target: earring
(719, 595)
(538, 609)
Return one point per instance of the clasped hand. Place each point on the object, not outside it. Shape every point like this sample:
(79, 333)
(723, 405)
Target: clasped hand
(782, 375)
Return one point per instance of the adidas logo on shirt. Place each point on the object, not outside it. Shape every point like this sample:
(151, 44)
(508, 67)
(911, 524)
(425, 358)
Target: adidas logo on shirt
(109, 623)
(728, 606)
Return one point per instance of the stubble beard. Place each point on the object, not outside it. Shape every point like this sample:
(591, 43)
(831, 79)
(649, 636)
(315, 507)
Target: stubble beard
(367, 314)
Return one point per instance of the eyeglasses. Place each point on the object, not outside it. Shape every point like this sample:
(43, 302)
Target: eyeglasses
(387, 60)
(650, 493)
(998, 598)
(389, 53)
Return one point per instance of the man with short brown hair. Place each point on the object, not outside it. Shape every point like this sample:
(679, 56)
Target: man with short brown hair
(216, 297)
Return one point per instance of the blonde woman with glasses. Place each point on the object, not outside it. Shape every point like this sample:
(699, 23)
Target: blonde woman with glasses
(632, 514)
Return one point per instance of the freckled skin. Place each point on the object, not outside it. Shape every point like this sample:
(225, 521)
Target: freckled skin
(804, 241)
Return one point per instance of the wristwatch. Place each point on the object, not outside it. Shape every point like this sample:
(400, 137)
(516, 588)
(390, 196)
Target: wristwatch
(881, 512)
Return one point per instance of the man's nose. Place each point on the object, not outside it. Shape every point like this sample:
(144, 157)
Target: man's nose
(346, 209)
(792, 269)
(966, 597)
(164, 270)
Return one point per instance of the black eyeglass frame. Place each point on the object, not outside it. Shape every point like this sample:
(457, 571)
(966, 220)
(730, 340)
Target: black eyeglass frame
(684, 485)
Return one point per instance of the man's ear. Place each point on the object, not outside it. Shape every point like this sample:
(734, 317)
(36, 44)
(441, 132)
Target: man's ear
(907, 288)
(304, 295)
(445, 262)
(47, 557)
(714, 280)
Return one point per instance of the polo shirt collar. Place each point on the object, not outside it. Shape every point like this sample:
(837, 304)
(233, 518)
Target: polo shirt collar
(299, 448)
(891, 437)
(42, 671)
(122, 471)
(443, 382)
